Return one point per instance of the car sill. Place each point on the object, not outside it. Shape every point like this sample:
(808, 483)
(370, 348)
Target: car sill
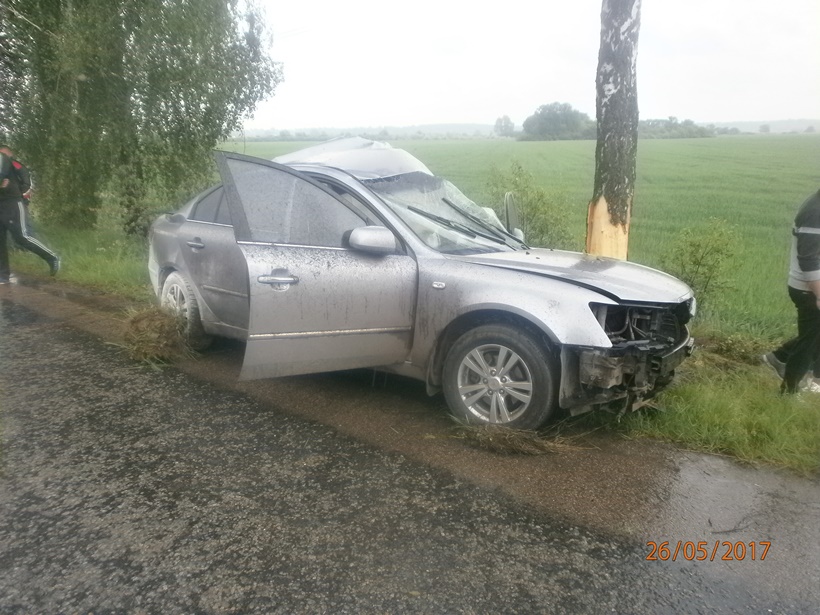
(338, 332)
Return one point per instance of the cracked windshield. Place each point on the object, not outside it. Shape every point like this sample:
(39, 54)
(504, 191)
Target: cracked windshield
(441, 216)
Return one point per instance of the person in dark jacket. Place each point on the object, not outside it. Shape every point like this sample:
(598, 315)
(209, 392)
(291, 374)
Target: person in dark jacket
(26, 184)
(796, 357)
(13, 220)
(22, 172)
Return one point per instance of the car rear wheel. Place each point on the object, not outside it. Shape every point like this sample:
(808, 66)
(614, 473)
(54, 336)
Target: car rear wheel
(499, 374)
(178, 296)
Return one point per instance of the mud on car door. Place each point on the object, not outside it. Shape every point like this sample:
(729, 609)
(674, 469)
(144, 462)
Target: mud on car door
(315, 303)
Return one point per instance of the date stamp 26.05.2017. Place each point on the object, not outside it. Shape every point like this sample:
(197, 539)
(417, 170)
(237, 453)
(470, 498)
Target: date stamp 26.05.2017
(720, 550)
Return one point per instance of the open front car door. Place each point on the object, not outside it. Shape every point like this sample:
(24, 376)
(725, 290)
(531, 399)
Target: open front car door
(316, 304)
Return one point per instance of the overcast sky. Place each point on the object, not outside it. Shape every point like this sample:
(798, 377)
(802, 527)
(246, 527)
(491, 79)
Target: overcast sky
(370, 63)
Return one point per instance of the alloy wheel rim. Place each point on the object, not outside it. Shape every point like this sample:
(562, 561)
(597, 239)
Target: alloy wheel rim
(175, 299)
(494, 383)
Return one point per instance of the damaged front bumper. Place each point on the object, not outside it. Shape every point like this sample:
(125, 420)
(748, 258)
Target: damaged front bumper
(627, 374)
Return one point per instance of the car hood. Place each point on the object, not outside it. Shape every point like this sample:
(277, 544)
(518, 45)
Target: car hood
(619, 280)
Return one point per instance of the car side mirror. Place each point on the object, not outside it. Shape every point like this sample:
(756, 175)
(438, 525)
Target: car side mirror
(373, 239)
(176, 218)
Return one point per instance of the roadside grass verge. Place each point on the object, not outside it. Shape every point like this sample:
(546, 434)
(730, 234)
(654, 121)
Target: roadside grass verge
(727, 407)
(738, 413)
(104, 260)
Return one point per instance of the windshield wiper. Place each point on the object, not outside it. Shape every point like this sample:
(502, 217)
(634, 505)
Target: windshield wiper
(457, 226)
(498, 233)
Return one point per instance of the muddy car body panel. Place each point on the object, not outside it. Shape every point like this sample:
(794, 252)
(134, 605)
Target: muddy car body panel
(353, 254)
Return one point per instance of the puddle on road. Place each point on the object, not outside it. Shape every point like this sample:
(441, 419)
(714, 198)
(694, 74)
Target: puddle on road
(719, 497)
(739, 513)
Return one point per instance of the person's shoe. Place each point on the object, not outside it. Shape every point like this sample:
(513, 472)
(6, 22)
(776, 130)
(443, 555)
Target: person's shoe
(776, 364)
(811, 386)
(54, 265)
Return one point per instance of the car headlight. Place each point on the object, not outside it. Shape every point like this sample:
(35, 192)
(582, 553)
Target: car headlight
(631, 323)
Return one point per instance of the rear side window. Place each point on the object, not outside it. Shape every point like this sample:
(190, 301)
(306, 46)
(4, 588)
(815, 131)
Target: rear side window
(223, 214)
(207, 209)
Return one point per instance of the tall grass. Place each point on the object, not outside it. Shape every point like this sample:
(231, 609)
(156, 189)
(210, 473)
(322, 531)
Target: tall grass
(735, 410)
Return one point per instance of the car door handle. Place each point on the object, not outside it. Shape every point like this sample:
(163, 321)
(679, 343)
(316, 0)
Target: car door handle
(196, 245)
(277, 279)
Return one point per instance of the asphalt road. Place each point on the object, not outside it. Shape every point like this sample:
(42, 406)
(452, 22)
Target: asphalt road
(128, 489)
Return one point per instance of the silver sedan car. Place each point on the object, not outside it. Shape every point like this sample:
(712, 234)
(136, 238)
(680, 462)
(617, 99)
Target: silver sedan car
(352, 254)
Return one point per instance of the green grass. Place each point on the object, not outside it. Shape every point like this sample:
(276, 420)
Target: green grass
(735, 409)
(102, 259)
(754, 182)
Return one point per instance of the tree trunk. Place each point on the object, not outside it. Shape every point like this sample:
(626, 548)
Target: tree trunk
(617, 114)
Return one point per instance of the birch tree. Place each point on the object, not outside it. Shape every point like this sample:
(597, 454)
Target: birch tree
(126, 96)
(617, 117)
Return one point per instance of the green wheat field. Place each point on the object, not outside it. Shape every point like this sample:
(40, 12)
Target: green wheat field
(752, 182)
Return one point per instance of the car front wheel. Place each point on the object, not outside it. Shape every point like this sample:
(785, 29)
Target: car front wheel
(499, 374)
(178, 296)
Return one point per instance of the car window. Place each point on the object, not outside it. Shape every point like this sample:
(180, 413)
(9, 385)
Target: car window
(206, 209)
(343, 194)
(223, 214)
(284, 208)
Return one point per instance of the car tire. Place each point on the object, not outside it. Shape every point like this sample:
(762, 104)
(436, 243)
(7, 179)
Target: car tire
(178, 296)
(500, 374)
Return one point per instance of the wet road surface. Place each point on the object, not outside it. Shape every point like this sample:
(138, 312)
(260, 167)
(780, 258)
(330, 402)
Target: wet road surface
(126, 489)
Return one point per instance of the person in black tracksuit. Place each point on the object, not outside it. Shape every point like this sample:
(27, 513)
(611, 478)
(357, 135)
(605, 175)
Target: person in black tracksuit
(794, 358)
(26, 185)
(13, 220)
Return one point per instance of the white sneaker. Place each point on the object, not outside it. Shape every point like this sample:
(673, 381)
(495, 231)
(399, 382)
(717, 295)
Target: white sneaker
(812, 385)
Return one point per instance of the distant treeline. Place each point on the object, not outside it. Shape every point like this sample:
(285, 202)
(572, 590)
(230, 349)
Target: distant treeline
(553, 122)
(560, 122)
(381, 135)
(671, 128)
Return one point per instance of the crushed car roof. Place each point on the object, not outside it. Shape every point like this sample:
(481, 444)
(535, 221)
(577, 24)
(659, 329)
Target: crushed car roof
(362, 158)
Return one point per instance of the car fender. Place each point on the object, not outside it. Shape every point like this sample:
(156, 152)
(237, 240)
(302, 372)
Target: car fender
(163, 259)
(451, 291)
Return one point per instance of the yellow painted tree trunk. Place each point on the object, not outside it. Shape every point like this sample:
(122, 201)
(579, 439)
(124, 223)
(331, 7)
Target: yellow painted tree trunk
(617, 113)
(605, 236)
